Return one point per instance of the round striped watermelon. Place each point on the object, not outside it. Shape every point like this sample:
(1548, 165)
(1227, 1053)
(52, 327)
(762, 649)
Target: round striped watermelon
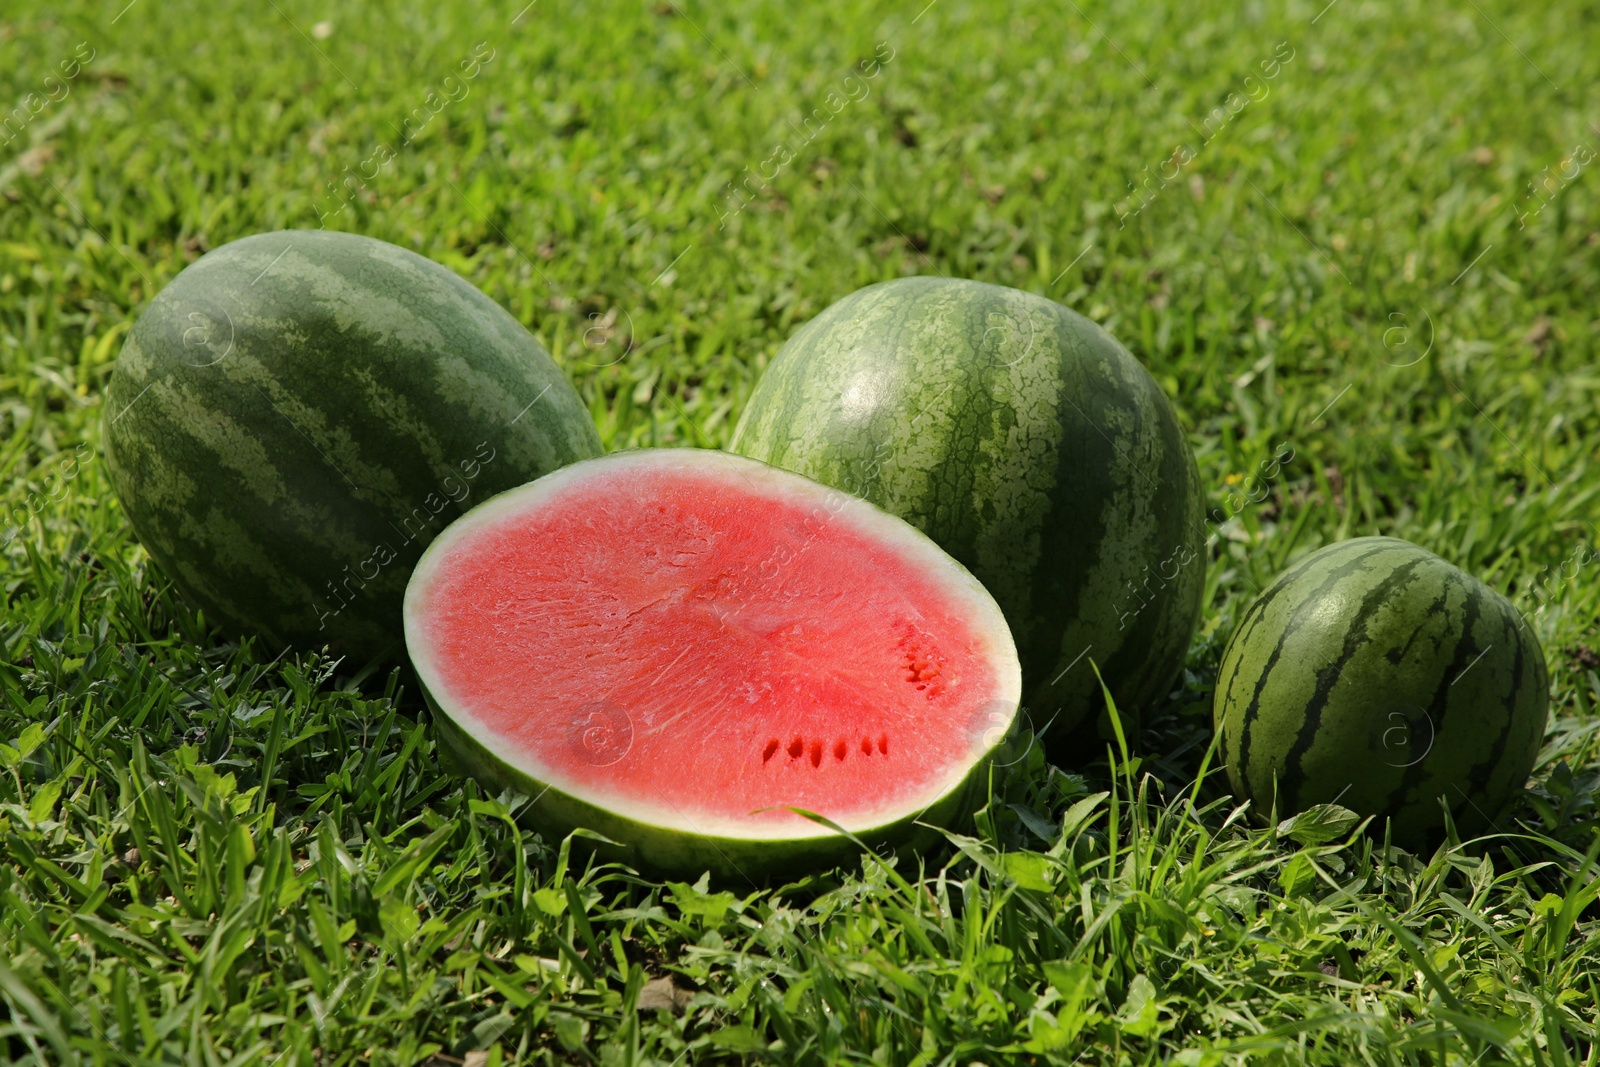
(1033, 448)
(684, 650)
(1377, 676)
(297, 414)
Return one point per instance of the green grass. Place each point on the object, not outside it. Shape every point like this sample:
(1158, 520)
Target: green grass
(211, 856)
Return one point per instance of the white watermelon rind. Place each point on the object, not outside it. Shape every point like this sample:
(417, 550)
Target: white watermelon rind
(686, 855)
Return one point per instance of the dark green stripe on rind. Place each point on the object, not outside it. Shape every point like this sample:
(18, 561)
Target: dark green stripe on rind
(297, 414)
(1304, 603)
(1356, 639)
(1465, 651)
(1379, 676)
(1031, 446)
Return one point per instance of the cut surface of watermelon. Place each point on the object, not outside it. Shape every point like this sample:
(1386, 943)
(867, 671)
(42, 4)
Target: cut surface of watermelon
(685, 644)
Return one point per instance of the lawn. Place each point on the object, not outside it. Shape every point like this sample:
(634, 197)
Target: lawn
(1362, 236)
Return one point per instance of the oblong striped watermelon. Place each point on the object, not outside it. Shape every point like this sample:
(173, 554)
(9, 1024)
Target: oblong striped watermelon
(677, 648)
(1376, 675)
(1032, 447)
(297, 414)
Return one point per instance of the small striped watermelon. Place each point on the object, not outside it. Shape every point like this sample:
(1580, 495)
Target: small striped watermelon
(681, 648)
(297, 414)
(1033, 448)
(1378, 676)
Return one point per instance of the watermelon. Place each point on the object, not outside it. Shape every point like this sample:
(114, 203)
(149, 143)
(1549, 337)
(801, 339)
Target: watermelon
(1378, 676)
(297, 414)
(1029, 445)
(682, 649)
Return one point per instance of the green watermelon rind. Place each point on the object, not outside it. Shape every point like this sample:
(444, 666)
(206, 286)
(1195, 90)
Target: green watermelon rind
(649, 847)
(1368, 675)
(1021, 437)
(297, 414)
(657, 845)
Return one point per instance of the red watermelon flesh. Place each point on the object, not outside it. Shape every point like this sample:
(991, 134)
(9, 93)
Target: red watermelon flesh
(683, 644)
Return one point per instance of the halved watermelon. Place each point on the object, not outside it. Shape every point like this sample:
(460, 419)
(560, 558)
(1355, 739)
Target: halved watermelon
(677, 647)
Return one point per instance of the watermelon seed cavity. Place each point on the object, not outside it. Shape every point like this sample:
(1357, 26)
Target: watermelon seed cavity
(841, 748)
